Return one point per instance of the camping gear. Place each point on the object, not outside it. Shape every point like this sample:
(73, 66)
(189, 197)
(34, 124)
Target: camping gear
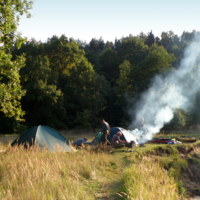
(131, 144)
(98, 136)
(44, 137)
(187, 139)
(174, 141)
(126, 135)
(96, 139)
(160, 140)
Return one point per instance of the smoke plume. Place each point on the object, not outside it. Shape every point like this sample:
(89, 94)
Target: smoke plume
(166, 94)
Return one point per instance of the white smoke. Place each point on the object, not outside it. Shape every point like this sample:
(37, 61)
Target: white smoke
(176, 90)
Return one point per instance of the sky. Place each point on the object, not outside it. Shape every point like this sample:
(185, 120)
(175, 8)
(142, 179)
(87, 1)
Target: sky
(109, 19)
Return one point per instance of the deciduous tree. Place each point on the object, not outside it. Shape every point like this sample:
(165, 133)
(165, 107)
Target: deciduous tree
(10, 88)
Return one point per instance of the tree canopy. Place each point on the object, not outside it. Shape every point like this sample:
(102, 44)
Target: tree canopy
(10, 88)
(66, 83)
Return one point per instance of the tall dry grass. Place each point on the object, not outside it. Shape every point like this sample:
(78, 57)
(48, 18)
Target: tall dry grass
(148, 181)
(39, 174)
(86, 174)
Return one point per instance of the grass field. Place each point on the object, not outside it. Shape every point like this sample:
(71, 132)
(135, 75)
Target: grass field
(150, 172)
(176, 134)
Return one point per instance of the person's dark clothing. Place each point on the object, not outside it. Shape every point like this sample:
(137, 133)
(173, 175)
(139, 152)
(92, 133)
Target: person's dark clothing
(105, 126)
(106, 132)
(116, 142)
(79, 143)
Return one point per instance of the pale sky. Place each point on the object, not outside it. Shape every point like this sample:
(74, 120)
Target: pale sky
(109, 19)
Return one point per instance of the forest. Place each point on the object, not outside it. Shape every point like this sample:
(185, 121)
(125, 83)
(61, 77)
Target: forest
(70, 84)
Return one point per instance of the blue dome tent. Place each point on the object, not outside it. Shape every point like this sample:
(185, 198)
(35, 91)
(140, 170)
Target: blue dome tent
(126, 135)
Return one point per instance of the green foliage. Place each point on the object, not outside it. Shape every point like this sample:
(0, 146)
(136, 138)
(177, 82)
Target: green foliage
(187, 36)
(124, 83)
(150, 40)
(182, 119)
(83, 118)
(181, 189)
(84, 82)
(19, 128)
(137, 72)
(109, 65)
(10, 88)
(10, 15)
(155, 60)
(197, 191)
(44, 105)
(7, 123)
(61, 84)
(195, 161)
(176, 167)
(132, 49)
(43, 102)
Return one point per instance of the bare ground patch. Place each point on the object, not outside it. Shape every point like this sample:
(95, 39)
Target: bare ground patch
(6, 139)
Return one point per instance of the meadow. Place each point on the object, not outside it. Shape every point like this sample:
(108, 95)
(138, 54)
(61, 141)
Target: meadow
(150, 172)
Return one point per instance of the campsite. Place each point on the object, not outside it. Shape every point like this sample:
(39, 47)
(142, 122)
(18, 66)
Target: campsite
(115, 118)
(155, 171)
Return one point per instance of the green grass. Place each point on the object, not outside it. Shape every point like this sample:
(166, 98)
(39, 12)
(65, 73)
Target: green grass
(148, 180)
(176, 134)
(148, 172)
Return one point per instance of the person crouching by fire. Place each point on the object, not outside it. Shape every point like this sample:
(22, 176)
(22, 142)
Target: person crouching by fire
(116, 142)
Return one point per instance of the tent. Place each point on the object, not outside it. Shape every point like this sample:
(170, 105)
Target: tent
(126, 135)
(44, 137)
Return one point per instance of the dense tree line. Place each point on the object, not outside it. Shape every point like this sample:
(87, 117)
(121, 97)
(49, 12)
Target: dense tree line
(66, 83)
